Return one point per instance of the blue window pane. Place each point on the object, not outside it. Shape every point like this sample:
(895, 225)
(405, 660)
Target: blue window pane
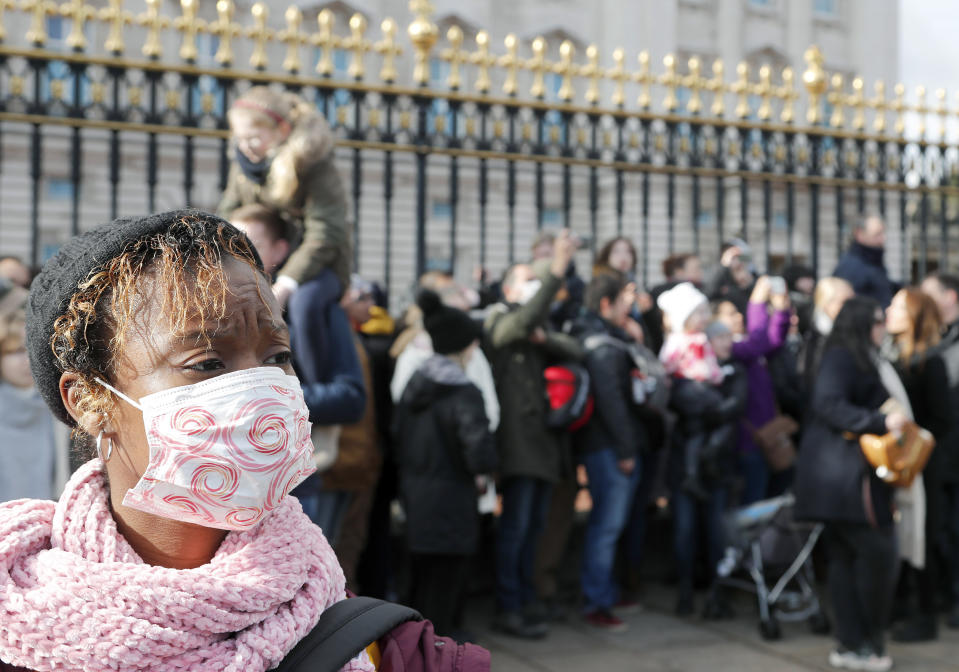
(59, 189)
(706, 219)
(552, 218)
(56, 28)
(341, 61)
(442, 210)
(779, 221)
(825, 7)
(48, 251)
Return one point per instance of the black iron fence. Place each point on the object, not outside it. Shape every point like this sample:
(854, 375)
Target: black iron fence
(677, 159)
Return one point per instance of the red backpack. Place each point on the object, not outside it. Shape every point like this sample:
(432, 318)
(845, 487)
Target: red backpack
(570, 402)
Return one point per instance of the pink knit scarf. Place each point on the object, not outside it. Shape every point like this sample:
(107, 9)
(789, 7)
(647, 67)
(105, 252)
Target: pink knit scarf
(74, 595)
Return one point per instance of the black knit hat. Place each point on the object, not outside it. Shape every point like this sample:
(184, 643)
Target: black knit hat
(451, 329)
(60, 278)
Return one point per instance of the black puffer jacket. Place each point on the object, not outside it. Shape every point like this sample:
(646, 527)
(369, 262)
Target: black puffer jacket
(616, 421)
(831, 471)
(442, 441)
(947, 448)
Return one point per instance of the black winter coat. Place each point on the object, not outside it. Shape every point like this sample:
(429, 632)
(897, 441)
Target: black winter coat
(862, 267)
(442, 442)
(616, 421)
(946, 452)
(831, 472)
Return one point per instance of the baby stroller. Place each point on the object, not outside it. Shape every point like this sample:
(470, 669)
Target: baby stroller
(766, 544)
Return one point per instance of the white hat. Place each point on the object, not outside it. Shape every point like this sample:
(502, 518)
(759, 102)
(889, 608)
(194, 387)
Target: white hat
(679, 303)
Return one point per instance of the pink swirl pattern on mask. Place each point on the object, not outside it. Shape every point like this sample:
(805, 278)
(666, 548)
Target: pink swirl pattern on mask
(74, 595)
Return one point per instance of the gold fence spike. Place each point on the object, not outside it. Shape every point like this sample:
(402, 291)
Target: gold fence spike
(359, 45)
(943, 111)
(898, 106)
(717, 86)
(857, 101)
(293, 38)
(538, 65)
(189, 25)
(620, 76)
(511, 62)
(764, 89)
(789, 97)
(592, 72)
(226, 29)
(483, 60)
(814, 78)
(39, 10)
(670, 80)
(327, 41)
(455, 56)
(117, 18)
(878, 103)
(645, 80)
(566, 69)
(837, 99)
(921, 109)
(741, 88)
(79, 13)
(260, 34)
(423, 34)
(389, 50)
(695, 82)
(5, 5)
(154, 23)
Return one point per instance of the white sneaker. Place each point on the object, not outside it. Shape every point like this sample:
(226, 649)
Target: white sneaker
(875, 663)
(844, 660)
(867, 662)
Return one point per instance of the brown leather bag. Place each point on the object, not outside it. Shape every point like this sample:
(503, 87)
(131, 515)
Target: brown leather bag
(775, 441)
(899, 459)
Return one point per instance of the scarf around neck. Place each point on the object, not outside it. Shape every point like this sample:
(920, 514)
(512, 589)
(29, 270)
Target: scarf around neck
(256, 171)
(75, 595)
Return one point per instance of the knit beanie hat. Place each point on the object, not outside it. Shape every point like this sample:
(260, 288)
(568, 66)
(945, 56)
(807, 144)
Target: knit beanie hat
(679, 303)
(61, 277)
(450, 329)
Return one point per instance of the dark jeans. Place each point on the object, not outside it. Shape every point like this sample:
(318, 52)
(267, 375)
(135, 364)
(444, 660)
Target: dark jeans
(437, 587)
(612, 493)
(862, 574)
(688, 515)
(950, 527)
(635, 534)
(525, 504)
(755, 474)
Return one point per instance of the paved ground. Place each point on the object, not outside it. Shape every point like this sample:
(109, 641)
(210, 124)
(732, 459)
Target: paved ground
(657, 641)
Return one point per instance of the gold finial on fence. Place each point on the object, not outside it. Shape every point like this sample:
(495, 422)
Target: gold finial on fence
(359, 45)
(293, 38)
(511, 62)
(645, 79)
(327, 41)
(592, 72)
(921, 110)
(943, 111)
(814, 78)
(741, 88)
(538, 65)
(764, 89)
(878, 103)
(116, 17)
(483, 61)
(837, 99)
(154, 22)
(423, 34)
(717, 86)
(789, 96)
(389, 50)
(260, 34)
(79, 13)
(226, 29)
(898, 106)
(620, 76)
(858, 102)
(5, 5)
(455, 56)
(566, 69)
(39, 10)
(189, 25)
(695, 82)
(670, 80)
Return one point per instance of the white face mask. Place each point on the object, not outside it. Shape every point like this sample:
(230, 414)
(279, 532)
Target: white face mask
(528, 291)
(224, 452)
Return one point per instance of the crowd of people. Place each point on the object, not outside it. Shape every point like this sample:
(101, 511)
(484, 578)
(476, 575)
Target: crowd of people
(503, 401)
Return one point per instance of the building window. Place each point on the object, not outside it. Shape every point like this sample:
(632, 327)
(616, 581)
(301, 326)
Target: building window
(59, 189)
(552, 218)
(762, 4)
(706, 219)
(825, 8)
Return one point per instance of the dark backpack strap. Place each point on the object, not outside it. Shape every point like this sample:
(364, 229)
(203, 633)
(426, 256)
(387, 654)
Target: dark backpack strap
(344, 630)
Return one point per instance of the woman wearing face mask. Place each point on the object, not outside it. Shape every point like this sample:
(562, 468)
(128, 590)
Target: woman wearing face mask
(284, 159)
(835, 484)
(175, 546)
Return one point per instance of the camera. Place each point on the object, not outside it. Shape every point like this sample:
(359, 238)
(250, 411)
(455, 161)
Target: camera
(777, 285)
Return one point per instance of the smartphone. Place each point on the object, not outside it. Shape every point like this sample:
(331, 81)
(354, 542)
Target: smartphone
(777, 285)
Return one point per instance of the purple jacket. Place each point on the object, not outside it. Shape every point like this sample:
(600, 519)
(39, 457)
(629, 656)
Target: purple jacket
(764, 335)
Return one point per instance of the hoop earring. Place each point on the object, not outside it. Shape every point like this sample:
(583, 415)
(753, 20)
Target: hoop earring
(100, 447)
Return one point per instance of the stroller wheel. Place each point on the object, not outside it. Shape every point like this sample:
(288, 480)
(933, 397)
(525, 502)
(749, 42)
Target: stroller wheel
(770, 630)
(819, 624)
